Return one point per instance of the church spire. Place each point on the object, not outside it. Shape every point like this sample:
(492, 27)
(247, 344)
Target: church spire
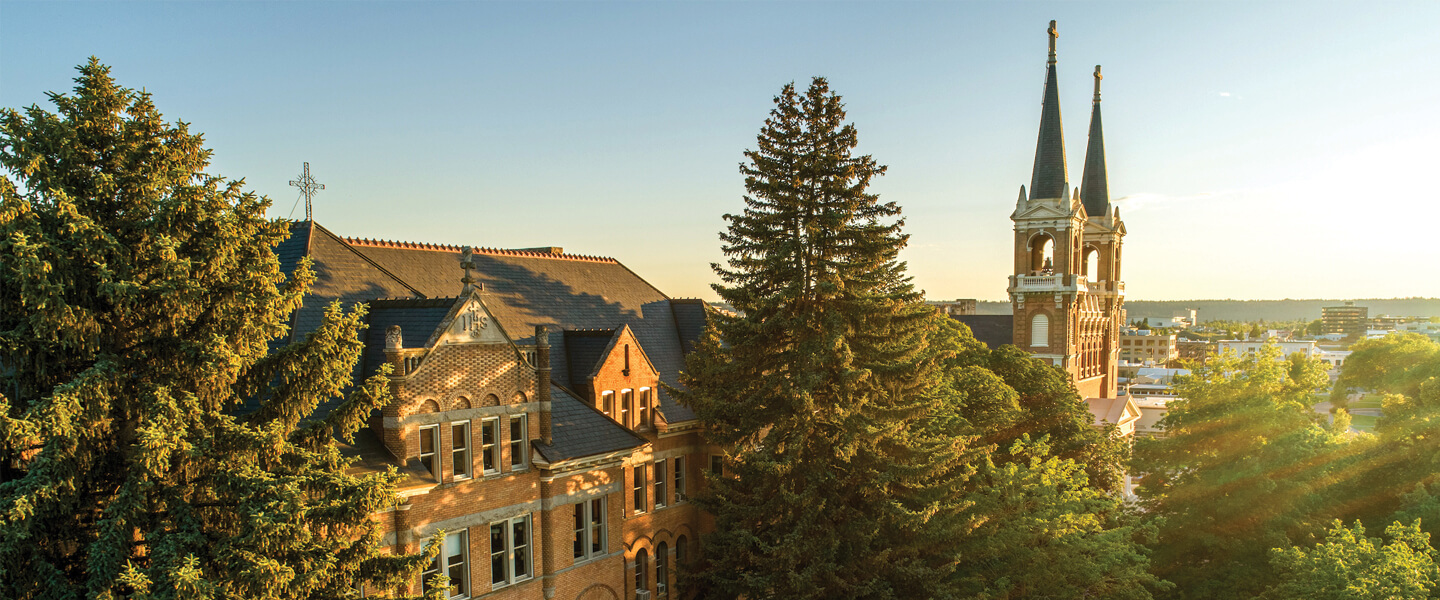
(1049, 177)
(1095, 186)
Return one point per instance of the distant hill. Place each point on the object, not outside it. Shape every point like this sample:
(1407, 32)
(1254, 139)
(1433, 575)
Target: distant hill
(1253, 310)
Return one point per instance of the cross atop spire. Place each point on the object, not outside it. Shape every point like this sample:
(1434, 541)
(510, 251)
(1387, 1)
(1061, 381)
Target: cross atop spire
(1098, 77)
(1050, 177)
(308, 186)
(1054, 33)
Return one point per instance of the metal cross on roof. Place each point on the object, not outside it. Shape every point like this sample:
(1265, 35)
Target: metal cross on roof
(308, 187)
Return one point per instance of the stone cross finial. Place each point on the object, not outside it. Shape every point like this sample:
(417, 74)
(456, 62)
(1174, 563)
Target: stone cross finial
(467, 262)
(1098, 77)
(1054, 33)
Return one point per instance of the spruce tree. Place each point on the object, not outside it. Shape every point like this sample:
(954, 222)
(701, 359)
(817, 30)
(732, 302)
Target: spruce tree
(820, 385)
(138, 299)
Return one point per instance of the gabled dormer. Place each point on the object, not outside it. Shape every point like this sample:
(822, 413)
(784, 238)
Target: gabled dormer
(611, 368)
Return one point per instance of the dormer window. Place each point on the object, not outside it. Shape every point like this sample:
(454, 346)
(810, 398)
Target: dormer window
(627, 403)
(607, 404)
(643, 408)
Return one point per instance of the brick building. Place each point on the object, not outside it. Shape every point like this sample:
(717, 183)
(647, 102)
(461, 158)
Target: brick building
(530, 422)
(1148, 347)
(1066, 291)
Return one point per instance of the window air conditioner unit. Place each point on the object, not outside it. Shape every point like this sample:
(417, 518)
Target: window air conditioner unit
(642, 594)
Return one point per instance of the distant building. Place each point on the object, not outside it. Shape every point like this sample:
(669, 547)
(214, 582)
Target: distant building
(1152, 410)
(1168, 323)
(1147, 347)
(1348, 320)
(1194, 350)
(964, 306)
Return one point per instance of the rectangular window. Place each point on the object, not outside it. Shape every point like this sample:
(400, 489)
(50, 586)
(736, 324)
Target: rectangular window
(460, 444)
(430, 449)
(717, 464)
(454, 559)
(642, 408)
(639, 477)
(660, 483)
(489, 451)
(607, 404)
(519, 454)
(509, 551)
(627, 403)
(680, 480)
(589, 529)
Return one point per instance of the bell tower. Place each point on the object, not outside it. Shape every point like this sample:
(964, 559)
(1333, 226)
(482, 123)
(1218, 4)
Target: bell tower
(1066, 292)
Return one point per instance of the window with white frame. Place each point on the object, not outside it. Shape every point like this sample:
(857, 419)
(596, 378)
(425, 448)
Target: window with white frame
(607, 404)
(679, 480)
(460, 445)
(519, 454)
(589, 529)
(430, 449)
(642, 408)
(454, 559)
(660, 483)
(627, 401)
(489, 450)
(638, 475)
(510, 551)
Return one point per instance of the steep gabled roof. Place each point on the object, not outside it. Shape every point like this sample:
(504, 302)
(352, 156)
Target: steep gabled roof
(528, 288)
(690, 320)
(578, 429)
(1049, 178)
(1095, 184)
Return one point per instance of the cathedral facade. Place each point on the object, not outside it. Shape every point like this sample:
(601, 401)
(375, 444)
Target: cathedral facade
(1066, 289)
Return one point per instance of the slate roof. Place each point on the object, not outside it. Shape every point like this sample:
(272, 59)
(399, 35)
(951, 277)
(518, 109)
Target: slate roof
(1049, 178)
(418, 318)
(523, 289)
(413, 285)
(585, 348)
(993, 330)
(1095, 184)
(690, 318)
(578, 429)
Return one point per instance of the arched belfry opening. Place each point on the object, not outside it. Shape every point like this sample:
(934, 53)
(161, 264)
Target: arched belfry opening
(1042, 254)
(1090, 264)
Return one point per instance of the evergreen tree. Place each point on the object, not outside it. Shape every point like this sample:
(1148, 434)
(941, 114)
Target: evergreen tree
(831, 491)
(138, 297)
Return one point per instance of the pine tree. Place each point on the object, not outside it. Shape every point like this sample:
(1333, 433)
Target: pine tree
(820, 388)
(138, 298)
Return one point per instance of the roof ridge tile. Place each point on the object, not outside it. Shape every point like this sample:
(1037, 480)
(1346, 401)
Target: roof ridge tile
(492, 251)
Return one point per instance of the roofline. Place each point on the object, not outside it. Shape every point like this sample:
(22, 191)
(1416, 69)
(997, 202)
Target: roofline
(369, 243)
(362, 256)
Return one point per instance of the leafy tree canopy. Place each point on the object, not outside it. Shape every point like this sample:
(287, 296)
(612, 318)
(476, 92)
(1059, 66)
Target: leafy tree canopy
(1350, 566)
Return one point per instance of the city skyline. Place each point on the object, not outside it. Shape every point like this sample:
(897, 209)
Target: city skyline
(1264, 151)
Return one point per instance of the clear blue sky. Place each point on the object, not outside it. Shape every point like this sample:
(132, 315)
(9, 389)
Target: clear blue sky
(1257, 149)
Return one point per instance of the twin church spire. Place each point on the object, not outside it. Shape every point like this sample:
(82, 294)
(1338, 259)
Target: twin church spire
(1050, 175)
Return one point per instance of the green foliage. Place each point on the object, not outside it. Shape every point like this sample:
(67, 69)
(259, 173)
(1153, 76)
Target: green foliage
(1350, 566)
(1036, 529)
(859, 423)
(1243, 470)
(1404, 458)
(138, 299)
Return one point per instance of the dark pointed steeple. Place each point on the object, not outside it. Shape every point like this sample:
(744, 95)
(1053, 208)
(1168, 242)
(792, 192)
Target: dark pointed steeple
(1049, 178)
(1095, 187)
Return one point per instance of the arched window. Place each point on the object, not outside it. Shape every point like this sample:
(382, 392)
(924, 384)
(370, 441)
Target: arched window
(1042, 253)
(662, 571)
(640, 567)
(1090, 264)
(1039, 331)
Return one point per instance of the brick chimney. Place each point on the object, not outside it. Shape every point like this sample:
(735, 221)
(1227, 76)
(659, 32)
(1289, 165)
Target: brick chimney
(542, 380)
